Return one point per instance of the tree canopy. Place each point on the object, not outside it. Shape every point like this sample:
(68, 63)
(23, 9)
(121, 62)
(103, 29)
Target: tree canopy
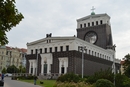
(12, 69)
(127, 65)
(9, 18)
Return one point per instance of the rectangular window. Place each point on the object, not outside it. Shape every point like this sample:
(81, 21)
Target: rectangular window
(89, 51)
(67, 48)
(85, 50)
(7, 53)
(55, 49)
(100, 21)
(50, 49)
(88, 24)
(49, 41)
(61, 48)
(35, 51)
(41, 50)
(92, 23)
(84, 24)
(96, 22)
(80, 25)
(2, 57)
(45, 50)
(31, 51)
(31, 70)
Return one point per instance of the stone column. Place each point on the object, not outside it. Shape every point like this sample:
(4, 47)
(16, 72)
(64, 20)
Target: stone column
(29, 67)
(65, 66)
(59, 66)
(34, 67)
(42, 69)
(48, 68)
(42, 66)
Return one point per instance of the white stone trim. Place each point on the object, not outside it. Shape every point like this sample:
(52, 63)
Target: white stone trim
(63, 61)
(34, 66)
(48, 59)
(73, 43)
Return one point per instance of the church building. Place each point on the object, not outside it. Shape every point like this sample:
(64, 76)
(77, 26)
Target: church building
(88, 52)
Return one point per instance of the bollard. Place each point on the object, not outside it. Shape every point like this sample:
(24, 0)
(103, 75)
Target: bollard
(1, 83)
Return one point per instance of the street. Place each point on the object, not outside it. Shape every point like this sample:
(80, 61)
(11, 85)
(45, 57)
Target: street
(14, 83)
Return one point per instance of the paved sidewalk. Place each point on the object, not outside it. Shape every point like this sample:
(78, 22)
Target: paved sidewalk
(14, 83)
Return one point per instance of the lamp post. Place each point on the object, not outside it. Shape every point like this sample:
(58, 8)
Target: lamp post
(82, 48)
(114, 46)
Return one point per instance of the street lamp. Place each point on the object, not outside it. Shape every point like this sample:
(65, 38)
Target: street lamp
(82, 48)
(114, 46)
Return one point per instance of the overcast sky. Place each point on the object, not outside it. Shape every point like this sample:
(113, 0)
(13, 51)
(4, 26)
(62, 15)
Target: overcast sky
(59, 17)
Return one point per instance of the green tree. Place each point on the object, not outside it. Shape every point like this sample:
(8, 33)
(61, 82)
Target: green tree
(127, 65)
(12, 69)
(4, 70)
(9, 18)
(22, 69)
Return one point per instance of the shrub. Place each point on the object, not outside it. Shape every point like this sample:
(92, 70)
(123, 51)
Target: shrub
(69, 77)
(14, 78)
(104, 83)
(126, 83)
(71, 84)
(122, 81)
(106, 74)
(26, 77)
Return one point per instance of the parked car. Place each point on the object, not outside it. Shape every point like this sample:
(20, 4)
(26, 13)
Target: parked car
(7, 74)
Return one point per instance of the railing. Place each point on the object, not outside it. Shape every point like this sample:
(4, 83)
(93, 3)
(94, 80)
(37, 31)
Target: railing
(49, 75)
(41, 75)
(21, 74)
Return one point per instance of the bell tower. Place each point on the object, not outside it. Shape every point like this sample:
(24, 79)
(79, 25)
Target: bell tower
(95, 29)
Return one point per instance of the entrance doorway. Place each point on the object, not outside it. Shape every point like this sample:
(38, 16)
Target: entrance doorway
(62, 70)
(45, 68)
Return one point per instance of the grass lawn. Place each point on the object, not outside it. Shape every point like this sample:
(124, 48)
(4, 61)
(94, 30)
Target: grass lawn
(47, 83)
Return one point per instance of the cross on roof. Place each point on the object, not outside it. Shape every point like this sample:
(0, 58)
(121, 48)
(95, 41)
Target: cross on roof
(93, 9)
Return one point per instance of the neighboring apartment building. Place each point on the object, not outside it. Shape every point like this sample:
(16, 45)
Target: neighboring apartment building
(122, 67)
(3, 57)
(12, 56)
(23, 54)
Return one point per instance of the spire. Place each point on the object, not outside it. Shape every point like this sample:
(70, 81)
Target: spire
(93, 13)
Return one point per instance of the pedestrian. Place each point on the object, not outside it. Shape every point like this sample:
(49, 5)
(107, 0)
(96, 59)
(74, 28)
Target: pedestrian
(35, 79)
(2, 77)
